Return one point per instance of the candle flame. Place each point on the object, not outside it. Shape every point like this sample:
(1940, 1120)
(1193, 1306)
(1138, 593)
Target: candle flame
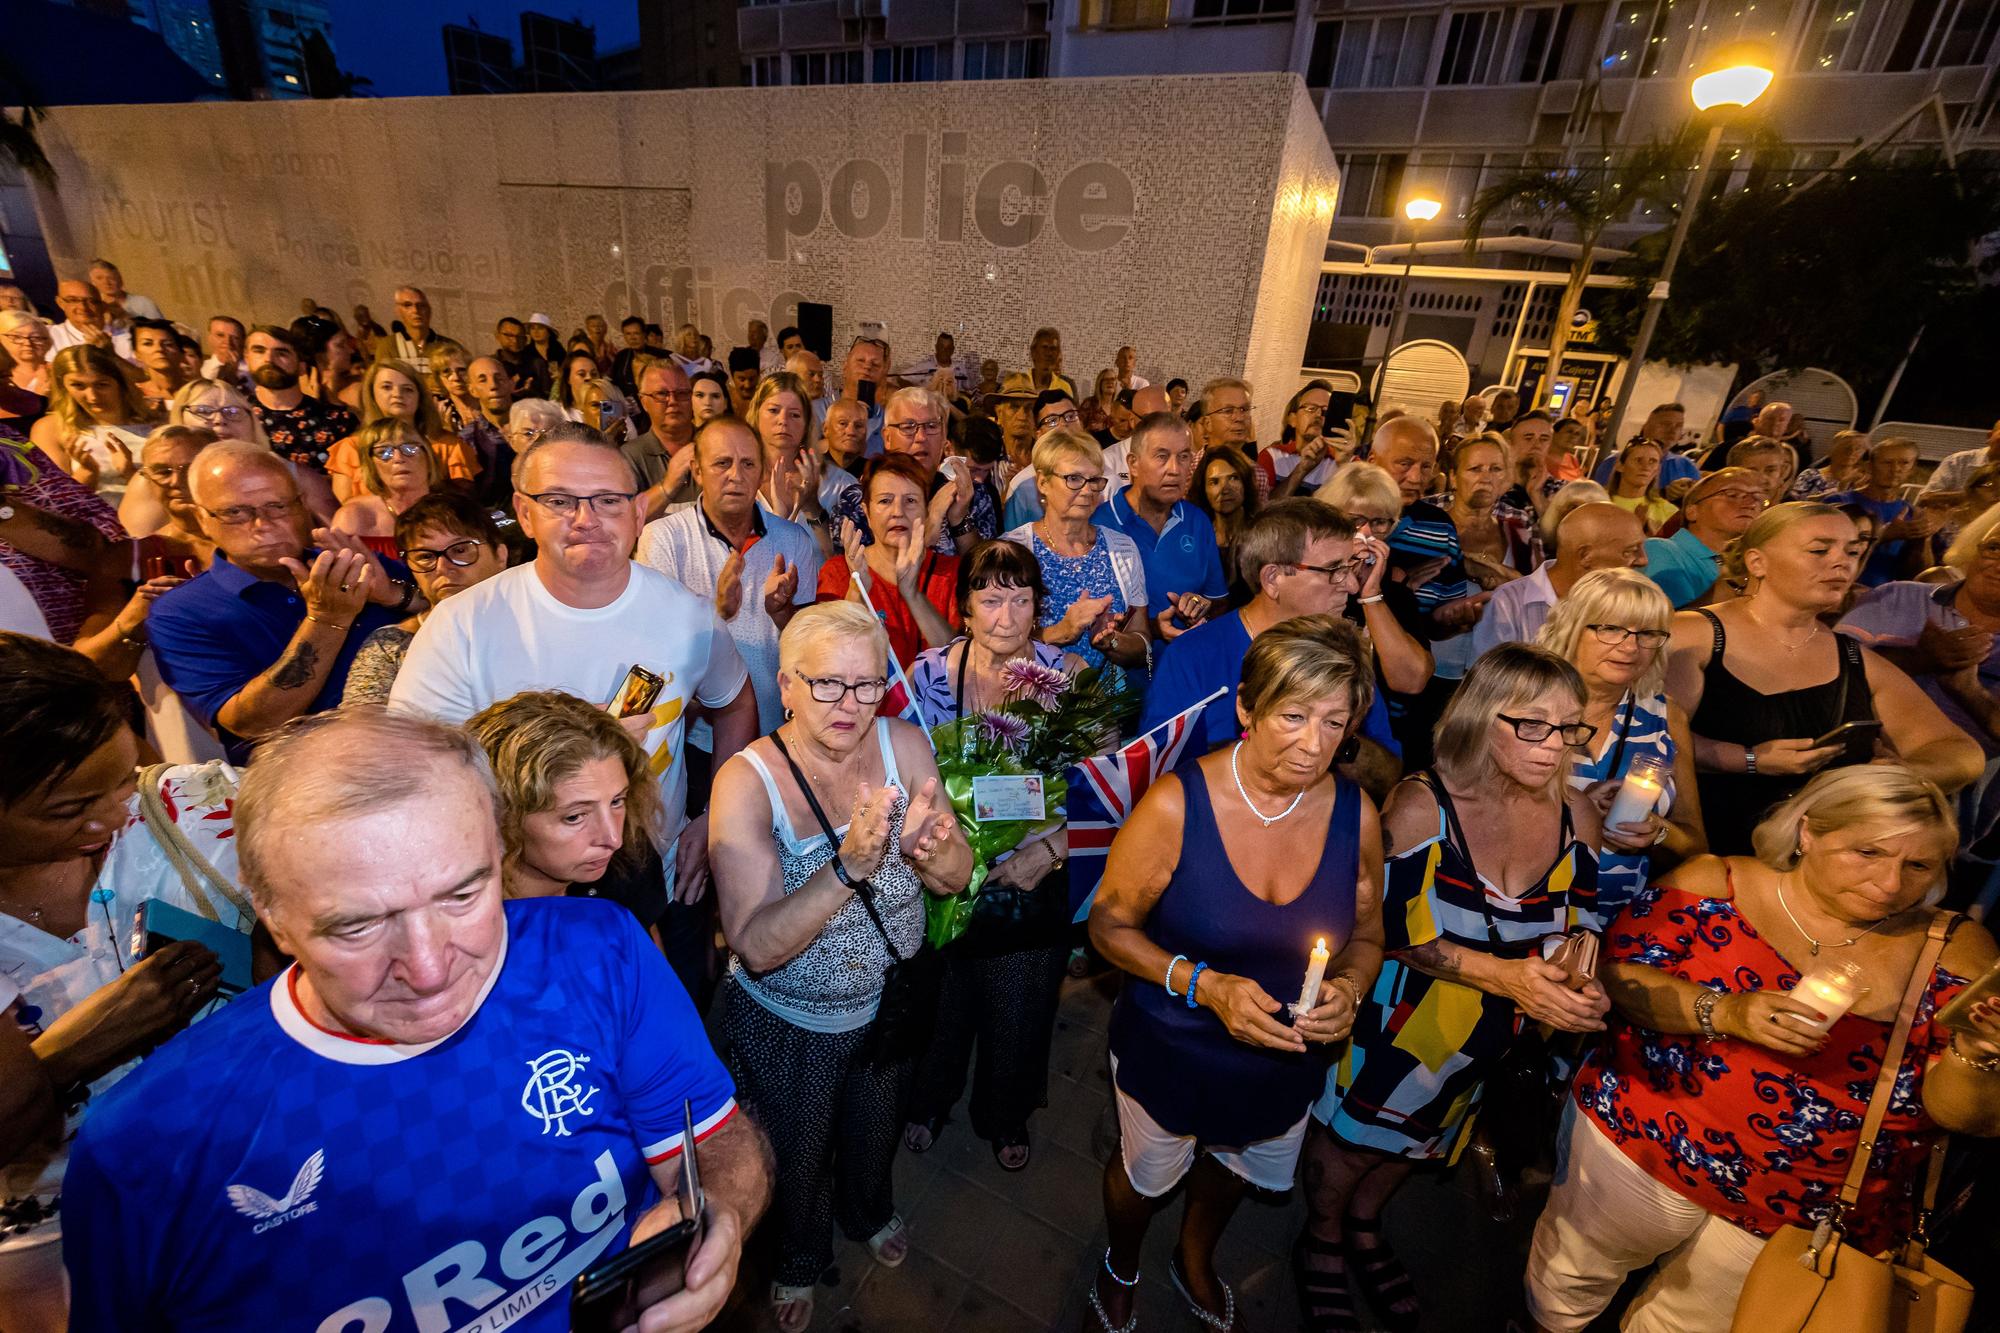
(1320, 945)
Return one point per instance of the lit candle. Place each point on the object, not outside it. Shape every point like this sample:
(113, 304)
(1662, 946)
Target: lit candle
(1315, 973)
(1639, 794)
(1830, 988)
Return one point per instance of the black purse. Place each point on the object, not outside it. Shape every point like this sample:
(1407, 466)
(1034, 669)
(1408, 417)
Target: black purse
(907, 1014)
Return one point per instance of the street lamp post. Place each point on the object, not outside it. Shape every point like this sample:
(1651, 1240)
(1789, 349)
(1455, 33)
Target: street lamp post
(1419, 209)
(1736, 81)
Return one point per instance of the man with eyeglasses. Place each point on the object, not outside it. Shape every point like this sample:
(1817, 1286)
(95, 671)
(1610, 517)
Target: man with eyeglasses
(1590, 536)
(412, 325)
(1227, 416)
(581, 617)
(1175, 540)
(266, 633)
(1717, 510)
(86, 321)
(914, 423)
(527, 366)
(302, 428)
(1302, 458)
(664, 456)
(1053, 409)
(1302, 557)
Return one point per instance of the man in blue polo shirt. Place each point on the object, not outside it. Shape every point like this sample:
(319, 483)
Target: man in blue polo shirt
(1715, 512)
(1175, 540)
(1300, 556)
(266, 634)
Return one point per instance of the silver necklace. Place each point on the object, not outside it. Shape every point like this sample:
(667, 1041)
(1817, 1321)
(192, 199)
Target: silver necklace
(1268, 819)
(1791, 650)
(1796, 925)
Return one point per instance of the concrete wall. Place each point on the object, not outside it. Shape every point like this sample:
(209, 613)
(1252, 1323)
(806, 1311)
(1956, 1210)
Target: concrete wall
(1183, 215)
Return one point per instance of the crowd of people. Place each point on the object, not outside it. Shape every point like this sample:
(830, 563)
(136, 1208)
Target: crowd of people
(340, 663)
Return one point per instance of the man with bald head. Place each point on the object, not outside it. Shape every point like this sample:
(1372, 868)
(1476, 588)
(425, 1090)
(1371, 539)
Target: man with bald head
(267, 632)
(1590, 536)
(844, 434)
(448, 1106)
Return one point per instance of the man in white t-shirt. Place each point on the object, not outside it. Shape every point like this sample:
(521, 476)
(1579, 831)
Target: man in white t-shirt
(1128, 378)
(578, 619)
(86, 321)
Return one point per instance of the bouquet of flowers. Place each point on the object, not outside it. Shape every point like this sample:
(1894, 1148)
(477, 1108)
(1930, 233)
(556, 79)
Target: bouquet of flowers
(1002, 765)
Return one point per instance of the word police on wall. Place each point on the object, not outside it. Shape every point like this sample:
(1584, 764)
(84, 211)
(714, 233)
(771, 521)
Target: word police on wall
(1013, 202)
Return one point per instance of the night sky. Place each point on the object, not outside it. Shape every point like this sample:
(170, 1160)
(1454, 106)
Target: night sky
(397, 43)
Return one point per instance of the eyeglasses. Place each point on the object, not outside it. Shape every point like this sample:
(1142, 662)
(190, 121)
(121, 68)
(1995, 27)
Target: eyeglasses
(461, 553)
(1373, 523)
(1334, 573)
(564, 505)
(670, 396)
(1054, 419)
(910, 429)
(1613, 635)
(1078, 481)
(1309, 410)
(1236, 413)
(1534, 730)
(832, 689)
(386, 453)
(214, 412)
(529, 435)
(164, 474)
(1735, 495)
(238, 516)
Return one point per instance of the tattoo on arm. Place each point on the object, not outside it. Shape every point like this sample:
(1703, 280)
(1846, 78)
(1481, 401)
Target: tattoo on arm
(295, 670)
(1432, 958)
(75, 536)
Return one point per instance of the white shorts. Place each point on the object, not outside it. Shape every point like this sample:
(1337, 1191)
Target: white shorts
(1605, 1217)
(1157, 1158)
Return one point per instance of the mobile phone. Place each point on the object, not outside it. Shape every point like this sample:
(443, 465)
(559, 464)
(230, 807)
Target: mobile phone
(1958, 1014)
(613, 1295)
(865, 391)
(1851, 734)
(638, 691)
(159, 923)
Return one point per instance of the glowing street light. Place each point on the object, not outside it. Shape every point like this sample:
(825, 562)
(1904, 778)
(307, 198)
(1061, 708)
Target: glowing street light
(1422, 209)
(1419, 209)
(1736, 77)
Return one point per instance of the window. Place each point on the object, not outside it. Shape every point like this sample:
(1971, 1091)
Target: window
(1468, 47)
(1540, 37)
(1371, 53)
(1123, 13)
(1649, 37)
(1242, 11)
(1725, 22)
(912, 64)
(823, 67)
(1838, 34)
(1938, 33)
(1014, 58)
(1371, 184)
(764, 71)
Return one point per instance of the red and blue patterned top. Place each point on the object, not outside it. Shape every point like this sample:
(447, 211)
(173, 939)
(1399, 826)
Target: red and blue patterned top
(1757, 1137)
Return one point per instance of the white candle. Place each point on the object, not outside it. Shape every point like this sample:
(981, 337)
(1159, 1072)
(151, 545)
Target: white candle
(1639, 794)
(1315, 973)
(1831, 989)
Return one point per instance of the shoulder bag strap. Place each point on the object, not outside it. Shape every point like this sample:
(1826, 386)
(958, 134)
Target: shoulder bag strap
(863, 889)
(197, 875)
(1892, 1058)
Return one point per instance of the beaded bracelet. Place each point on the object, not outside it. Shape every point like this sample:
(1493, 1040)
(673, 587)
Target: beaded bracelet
(1167, 982)
(1194, 978)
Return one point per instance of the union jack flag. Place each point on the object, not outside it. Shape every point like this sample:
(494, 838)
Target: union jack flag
(1105, 789)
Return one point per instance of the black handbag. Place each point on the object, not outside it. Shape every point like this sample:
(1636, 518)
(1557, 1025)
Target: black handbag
(907, 1013)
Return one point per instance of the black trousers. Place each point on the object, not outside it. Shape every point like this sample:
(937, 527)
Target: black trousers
(1004, 1006)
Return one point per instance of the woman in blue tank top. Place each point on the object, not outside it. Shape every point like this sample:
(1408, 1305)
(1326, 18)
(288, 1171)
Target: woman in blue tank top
(1216, 892)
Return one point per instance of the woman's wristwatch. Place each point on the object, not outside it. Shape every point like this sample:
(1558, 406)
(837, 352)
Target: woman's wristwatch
(1750, 759)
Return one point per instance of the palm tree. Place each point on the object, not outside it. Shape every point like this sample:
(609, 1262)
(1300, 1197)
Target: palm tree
(1586, 200)
(18, 143)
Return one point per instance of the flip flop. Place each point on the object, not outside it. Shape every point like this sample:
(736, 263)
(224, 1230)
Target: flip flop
(1225, 1321)
(889, 1232)
(783, 1295)
(1006, 1141)
(931, 1127)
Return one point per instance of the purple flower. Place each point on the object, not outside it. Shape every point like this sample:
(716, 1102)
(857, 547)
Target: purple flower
(1002, 729)
(1029, 679)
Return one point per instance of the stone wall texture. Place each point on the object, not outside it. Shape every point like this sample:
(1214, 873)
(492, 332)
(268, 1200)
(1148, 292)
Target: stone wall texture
(1187, 215)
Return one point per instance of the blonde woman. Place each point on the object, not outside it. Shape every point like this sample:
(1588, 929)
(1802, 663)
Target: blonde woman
(393, 389)
(606, 410)
(1761, 678)
(580, 811)
(1613, 628)
(1845, 469)
(446, 374)
(1490, 852)
(1635, 484)
(799, 483)
(1718, 1111)
(97, 420)
(397, 470)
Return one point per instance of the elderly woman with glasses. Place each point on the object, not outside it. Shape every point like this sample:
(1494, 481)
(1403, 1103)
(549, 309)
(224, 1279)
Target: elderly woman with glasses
(450, 543)
(25, 346)
(814, 913)
(1096, 579)
(1490, 855)
(1613, 628)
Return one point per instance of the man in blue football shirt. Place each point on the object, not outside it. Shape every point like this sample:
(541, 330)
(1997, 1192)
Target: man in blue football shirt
(445, 1110)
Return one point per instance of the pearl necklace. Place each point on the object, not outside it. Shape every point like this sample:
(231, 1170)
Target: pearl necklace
(1268, 819)
(1808, 937)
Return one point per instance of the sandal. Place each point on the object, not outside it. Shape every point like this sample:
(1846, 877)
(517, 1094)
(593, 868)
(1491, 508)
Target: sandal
(1325, 1300)
(1097, 1306)
(930, 1129)
(1224, 1321)
(889, 1232)
(1380, 1274)
(782, 1296)
(1007, 1143)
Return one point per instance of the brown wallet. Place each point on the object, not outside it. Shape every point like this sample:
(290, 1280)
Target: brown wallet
(1575, 952)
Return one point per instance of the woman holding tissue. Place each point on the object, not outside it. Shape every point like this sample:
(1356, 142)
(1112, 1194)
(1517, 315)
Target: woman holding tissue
(1729, 1100)
(1491, 866)
(1218, 905)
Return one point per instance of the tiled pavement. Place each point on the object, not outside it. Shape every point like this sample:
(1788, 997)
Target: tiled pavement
(1000, 1253)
